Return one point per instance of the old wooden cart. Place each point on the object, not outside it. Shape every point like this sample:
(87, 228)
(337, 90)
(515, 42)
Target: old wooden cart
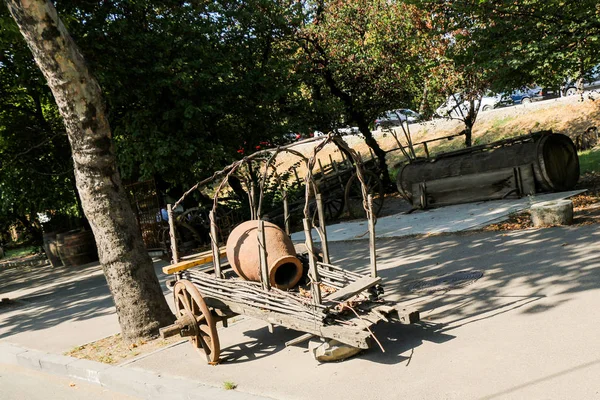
(335, 179)
(333, 303)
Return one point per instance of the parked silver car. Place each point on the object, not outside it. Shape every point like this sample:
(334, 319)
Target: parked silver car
(457, 107)
(590, 82)
(395, 117)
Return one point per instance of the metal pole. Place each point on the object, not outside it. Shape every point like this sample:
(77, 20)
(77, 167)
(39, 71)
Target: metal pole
(172, 234)
(323, 228)
(214, 244)
(372, 251)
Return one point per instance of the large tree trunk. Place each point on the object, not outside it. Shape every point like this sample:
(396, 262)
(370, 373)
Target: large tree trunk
(139, 300)
(469, 121)
(363, 126)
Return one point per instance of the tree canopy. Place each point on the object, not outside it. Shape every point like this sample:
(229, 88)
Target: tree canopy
(522, 42)
(189, 84)
(367, 55)
(36, 173)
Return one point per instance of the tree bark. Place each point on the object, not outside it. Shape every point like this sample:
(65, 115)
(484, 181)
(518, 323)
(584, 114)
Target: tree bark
(424, 106)
(469, 121)
(363, 127)
(140, 304)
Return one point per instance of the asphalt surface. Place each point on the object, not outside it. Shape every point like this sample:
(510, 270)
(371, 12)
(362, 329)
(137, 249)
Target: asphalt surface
(56, 309)
(527, 329)
(18, 383)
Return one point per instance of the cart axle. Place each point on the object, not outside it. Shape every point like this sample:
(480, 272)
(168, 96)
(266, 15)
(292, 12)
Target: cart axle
(186, 325)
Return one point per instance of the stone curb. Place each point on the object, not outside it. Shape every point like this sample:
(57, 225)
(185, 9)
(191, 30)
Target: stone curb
(126, 380)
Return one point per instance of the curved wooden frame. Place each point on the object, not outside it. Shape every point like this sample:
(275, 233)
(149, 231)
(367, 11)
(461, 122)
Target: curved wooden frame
(268, 158)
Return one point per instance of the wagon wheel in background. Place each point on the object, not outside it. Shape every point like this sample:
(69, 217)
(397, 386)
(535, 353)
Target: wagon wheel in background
(333, 207)
(333, 202)
(194, 314)
(354, 199)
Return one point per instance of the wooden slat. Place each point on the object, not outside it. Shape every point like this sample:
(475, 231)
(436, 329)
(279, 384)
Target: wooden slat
(372, 250)
(489, 185)
(203, 258)
(355, 335)
(527, 184)
(353, 288)
(322, 228)
(313, 272)
(262, 255)
(214, 244)
(299, 339)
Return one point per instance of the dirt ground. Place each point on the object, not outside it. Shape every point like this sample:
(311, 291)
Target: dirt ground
(569, 116)
(115, 350)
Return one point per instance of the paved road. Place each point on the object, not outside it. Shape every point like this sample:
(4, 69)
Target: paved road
(528, 329)
(56, 309)
(17, 383)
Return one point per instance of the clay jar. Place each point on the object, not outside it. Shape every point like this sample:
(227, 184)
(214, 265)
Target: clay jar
(285, 269)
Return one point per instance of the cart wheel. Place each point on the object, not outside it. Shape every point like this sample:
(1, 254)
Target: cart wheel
(332, 208)
(202, 328)
(354, 198)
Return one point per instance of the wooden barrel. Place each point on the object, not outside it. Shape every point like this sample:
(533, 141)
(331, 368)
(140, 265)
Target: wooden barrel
(77, 247)
(552, 158)
(51, 249)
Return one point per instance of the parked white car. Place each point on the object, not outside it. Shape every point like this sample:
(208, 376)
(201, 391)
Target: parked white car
(591, 82)
(397, 117)
(457, 107)
(348, 130)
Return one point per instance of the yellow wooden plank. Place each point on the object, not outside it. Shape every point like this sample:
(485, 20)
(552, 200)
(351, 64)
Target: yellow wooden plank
(203, 258)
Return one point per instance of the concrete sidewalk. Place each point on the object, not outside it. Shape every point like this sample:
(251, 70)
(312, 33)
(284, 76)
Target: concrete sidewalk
(526, 330)
(53, 310)
(56, 309)
(456, 218)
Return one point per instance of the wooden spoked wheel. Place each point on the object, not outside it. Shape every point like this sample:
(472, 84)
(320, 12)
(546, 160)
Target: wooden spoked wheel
(354, 198)
(332, 208)
(194, 314)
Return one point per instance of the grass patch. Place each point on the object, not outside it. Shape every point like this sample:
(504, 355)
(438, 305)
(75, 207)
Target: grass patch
(501, 122)
(21, 252)
(228, 385)
(589, 161)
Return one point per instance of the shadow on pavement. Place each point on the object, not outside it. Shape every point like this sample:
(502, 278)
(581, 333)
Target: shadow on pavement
(64, 294)
(526, 272)
(258, 343)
